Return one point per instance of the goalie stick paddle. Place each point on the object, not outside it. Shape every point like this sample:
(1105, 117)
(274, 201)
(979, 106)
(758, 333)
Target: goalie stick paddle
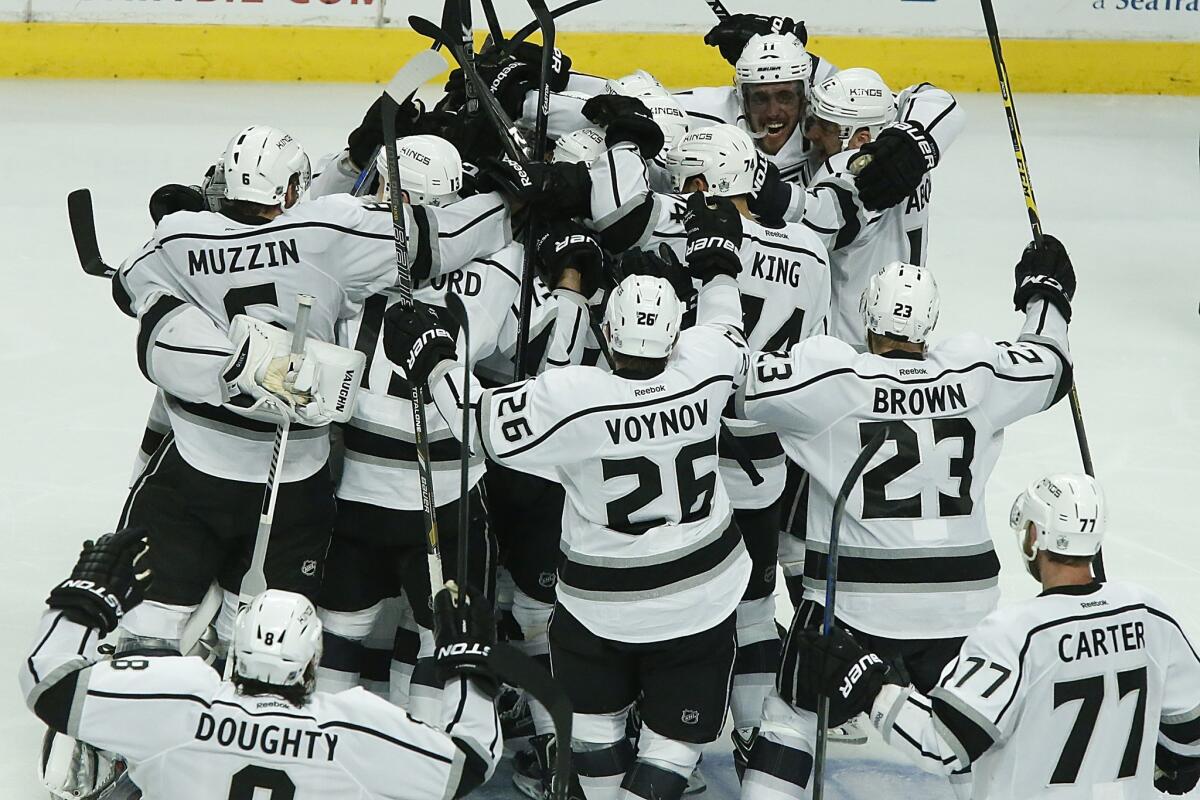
(398, 92)
(83, 231)
(1035, 224)
(830, 620)
(546, 21)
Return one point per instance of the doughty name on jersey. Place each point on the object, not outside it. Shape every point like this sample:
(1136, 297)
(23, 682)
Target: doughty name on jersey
(268, 738)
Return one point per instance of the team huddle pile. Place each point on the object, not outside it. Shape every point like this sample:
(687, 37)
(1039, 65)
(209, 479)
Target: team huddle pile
(729, 301)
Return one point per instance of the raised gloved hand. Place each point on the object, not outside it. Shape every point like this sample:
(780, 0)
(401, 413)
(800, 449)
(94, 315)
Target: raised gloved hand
(1045, 271)
(174, 197)
(568, 245)
(837, 667)
(900, 157)
(560, 72)
(1173, 773)
(109, 578)
(363, 140)
(661, 264)
(625, 119)
(714, 236)
(731, 34)
(464, 632)
(563, 189)
(770, 200)
(416, 338)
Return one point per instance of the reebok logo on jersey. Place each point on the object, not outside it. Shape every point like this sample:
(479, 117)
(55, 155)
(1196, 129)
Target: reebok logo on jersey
(656, 424)
(914, 371)
(649, 390)
(856, 672)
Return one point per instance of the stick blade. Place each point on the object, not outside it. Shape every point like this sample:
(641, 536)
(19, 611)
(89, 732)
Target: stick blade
(429, 29)
(83, 231)
(420, 70)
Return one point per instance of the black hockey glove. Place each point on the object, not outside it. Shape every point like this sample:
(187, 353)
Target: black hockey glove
(1175, 774)
(900, 157)
(1045, 271)
(363, 140)
(770, 200)
(569, 245)
(837, 667)
(416, 338)
(731, 34)
(565, 190)
(714, 237)
(109, 578)
(625, 119)
(174, 197)
(663, 264)
(560, 72)
(464, 632)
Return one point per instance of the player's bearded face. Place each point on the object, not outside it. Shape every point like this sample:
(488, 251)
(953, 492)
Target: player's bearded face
(774, 111)
(824, 134)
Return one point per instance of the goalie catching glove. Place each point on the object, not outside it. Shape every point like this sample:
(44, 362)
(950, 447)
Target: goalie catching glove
(317, 388)
(109, 578)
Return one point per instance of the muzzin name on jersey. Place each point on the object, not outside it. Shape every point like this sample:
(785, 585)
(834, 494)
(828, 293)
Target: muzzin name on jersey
(663, 422)
(239, 258)
(265, 737)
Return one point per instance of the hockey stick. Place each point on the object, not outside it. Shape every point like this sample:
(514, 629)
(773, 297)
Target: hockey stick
(454, 305)
(532, 27)
(395, 93)
(510, 136)
(1035, 223)
(718, 8)
(546, 21)
(495, 32)
(830, 620)
(83, 231)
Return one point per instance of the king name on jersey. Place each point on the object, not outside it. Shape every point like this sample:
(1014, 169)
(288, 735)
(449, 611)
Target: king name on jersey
(242, 257)
(770, 267)
(930, 399)
(658, 422)
(266, 737)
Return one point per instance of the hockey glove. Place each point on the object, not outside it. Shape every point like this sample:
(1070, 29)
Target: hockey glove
(625, 119)
(565, 190)
(714, 237)
(771, 199)
(569, 245)
(259, 371)
(417, 339)
(663, 264)
(560, 71)
(1175, 774)
(837, 667)
(900, 157)
(464, 632)
(175, 197)
(363, 140)
(109, 578)
(731, 34)
(1045, 271)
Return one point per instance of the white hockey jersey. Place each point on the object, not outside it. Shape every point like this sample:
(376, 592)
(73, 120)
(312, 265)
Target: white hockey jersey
(784, 286)
(649, 552)
(916, 559)
(188, 735)
(201, 269)
(1064, 696)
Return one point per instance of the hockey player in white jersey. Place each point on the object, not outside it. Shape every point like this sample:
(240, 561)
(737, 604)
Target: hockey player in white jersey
(1087, 690)
(652, 569)
(201, 492)
(185, 733)
(917, 567)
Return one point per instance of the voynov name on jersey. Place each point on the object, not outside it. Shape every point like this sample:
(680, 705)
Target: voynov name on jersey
(240, 258)
(663, 422)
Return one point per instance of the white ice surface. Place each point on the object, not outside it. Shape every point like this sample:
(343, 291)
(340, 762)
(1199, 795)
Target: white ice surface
(1116, 178)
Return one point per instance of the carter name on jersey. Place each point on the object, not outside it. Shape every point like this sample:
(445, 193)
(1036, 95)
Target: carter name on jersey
(239, 258)
(266, 738)
(1091, 642)
(920, 399)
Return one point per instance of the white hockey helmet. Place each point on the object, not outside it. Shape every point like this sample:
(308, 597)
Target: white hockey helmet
(772, 58)
(276, 639)
(1068, 512)
(259, 164)
(579, 147)
(853, 99)
(901, 302)
(643, 317)
(638, 83)
(671, 119)
(431, 170)
(724, 154)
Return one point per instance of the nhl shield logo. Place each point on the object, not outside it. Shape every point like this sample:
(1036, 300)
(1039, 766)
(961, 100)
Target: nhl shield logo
(309, 567)
(546, 580)
(1062, 542)
(690, 716)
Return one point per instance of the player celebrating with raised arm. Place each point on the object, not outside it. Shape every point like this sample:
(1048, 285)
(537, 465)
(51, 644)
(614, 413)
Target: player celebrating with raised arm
(1086, 690)
(653, 568)
(187, 734)
(918, 570)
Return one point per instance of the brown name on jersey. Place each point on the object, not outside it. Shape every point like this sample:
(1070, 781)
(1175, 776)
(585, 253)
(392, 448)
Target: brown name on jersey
(920, 399)
(266, 737)
(1092, 642)
(655, 424)
(239, 258)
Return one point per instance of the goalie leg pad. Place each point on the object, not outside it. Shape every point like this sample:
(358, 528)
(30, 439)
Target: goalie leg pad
(74, 770)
